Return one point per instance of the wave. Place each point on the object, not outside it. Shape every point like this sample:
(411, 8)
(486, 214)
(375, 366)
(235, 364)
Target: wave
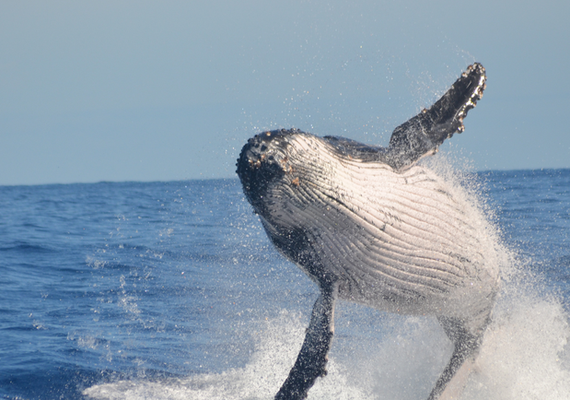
(24, 247)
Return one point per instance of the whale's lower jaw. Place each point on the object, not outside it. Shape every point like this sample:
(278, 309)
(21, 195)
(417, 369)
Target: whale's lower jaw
(403, 242)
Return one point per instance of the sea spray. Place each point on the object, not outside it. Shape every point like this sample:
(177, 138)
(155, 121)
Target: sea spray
(524, 356)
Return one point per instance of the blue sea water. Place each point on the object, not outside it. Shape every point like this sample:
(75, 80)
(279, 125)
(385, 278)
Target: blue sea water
(171, 290)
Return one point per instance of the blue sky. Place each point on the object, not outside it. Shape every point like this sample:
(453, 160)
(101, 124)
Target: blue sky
(125, 90)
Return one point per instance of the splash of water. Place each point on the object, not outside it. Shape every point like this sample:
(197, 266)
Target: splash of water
(524, 356)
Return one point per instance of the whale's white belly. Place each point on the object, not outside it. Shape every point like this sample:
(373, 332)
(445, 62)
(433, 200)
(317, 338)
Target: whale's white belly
(405, 242)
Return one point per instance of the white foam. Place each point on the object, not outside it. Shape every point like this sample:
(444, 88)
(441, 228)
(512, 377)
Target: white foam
(525, 353)
(524, 356)
(277, 345)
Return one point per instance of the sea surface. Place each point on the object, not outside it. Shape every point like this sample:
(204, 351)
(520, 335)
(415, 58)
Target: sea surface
(171, 290)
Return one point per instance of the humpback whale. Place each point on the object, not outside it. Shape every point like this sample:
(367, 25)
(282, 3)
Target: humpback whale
(369, 224)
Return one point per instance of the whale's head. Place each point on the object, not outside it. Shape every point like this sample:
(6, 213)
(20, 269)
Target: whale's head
(263, 168)
(288, 178)
(278, 171)
(297, 184)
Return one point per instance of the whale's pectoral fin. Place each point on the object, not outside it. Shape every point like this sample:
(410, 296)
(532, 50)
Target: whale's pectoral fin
(312, 358)
(454, 377)
(424, 133)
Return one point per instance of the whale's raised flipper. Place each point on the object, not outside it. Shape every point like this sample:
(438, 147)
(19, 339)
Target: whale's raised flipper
(312, 358)
(424, 133)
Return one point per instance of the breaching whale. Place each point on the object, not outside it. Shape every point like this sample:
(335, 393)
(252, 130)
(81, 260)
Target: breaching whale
(369, 224)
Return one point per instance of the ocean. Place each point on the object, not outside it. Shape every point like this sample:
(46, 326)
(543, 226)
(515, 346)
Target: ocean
(171, 290)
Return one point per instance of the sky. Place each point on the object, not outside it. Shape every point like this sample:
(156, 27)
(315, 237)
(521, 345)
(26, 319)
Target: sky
(156, 91)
